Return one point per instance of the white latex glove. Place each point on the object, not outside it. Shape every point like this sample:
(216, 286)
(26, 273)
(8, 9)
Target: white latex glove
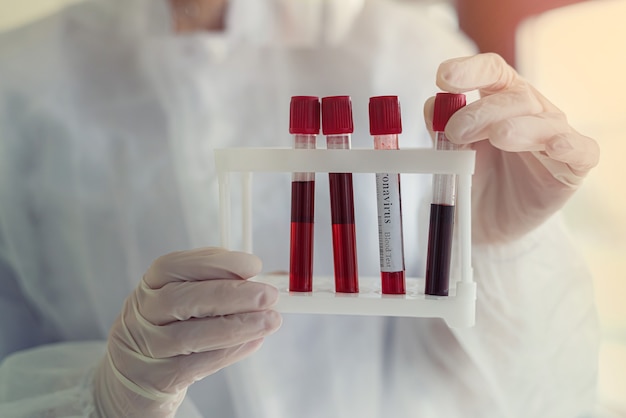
(529, 160)
(192, 314)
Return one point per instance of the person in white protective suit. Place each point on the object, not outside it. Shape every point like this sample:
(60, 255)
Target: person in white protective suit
(109, 115)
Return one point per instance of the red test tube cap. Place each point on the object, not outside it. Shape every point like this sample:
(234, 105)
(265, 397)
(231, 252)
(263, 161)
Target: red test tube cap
(337, 115)
(384, 114)
(304, 115)
(445, 106)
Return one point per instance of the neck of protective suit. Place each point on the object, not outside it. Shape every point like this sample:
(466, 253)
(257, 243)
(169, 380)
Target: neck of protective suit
(300, 24)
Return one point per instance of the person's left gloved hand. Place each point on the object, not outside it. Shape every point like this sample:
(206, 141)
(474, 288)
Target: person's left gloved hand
(529, 160)
(193, 313)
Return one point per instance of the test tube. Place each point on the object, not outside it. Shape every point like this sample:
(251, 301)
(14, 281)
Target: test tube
(443, 203)
(385, 125)
(337, 125)
(304, 125)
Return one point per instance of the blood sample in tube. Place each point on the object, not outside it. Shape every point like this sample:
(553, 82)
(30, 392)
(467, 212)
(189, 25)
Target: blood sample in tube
(442, 208)
(304, 124)
(385, 125)
(337, 125)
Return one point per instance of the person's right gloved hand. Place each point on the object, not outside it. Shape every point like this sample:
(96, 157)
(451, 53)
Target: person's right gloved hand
(529, 160)
(193, 313)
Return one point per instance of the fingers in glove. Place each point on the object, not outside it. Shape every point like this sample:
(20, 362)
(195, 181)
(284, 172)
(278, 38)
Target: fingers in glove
(202, 264)
(429, 110)
(489, 73)
(579, 152)
(204, 334)
(179, 301)
(474, 122)
(197, 366)
(173, 375)
(549, 132)
(527, 133)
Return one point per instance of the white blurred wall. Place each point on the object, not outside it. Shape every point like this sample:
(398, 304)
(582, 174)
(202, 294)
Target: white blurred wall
(16, 12)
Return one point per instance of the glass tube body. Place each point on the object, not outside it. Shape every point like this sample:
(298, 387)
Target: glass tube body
(302, 222)
(390, 239)
(343, 227)
(441, 227)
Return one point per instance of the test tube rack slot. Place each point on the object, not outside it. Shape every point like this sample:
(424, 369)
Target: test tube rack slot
(457, 309)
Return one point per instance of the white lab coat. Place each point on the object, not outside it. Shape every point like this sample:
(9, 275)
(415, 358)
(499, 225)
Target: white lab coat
(107, 126)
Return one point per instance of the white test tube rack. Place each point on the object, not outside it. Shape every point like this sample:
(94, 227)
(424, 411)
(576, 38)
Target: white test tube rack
(458, 309)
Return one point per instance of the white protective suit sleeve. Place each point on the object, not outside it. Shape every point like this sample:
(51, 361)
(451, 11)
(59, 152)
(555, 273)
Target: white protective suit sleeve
(54, 379)
(536, 337)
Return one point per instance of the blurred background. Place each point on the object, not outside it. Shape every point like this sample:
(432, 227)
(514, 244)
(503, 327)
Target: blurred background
(575, 53)
(576, 56)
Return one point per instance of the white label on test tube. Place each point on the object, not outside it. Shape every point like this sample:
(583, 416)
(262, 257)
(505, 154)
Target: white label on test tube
(389, 222)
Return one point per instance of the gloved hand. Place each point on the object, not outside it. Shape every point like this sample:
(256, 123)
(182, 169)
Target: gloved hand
(192, 314)
(529, 160)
